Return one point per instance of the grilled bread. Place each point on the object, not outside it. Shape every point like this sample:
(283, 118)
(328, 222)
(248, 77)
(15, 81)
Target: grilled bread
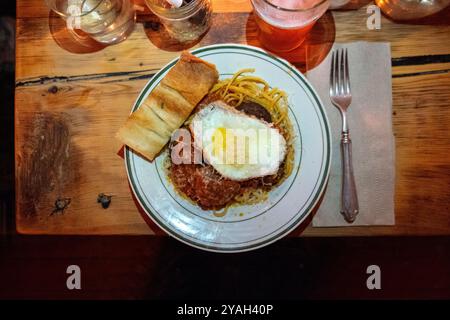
(149, 128)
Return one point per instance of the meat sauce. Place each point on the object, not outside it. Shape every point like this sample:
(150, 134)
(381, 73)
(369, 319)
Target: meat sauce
(210, 190)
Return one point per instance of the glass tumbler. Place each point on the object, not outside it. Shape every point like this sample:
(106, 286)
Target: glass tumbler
(186, 23)
(411, 9)
(106, 21)
(284, 24)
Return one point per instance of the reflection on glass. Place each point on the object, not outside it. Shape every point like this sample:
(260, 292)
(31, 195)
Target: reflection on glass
(106, 21)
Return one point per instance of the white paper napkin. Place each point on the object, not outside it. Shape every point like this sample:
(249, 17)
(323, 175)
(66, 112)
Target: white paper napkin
(370, 122)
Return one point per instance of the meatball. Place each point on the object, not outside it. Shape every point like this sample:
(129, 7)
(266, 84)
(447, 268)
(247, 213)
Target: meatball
(254, 109)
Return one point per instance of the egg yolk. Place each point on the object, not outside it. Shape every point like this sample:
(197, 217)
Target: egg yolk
(227, 147)
(219, 140)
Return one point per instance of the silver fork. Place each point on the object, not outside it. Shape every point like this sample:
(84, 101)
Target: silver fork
(341, 97)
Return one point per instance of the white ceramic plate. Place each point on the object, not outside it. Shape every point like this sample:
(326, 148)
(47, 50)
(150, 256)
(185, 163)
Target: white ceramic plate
(243, 227)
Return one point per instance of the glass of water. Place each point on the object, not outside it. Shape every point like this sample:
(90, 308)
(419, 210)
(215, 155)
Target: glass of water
(106, 21)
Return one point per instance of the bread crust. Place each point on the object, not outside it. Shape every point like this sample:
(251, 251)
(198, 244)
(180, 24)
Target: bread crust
(148, 129)
(191, 77)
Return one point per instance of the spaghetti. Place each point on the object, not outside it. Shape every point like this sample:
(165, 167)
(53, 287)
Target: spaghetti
(201, 184)
(244, 87)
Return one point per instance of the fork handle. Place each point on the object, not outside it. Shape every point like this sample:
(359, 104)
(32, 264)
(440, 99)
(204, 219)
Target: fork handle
(349, 200)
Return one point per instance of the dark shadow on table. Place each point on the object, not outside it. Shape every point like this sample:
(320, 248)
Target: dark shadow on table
(7, 68)
(321, 38)
(71, 41)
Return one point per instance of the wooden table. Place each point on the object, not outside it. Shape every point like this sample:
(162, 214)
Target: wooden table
(72, 98)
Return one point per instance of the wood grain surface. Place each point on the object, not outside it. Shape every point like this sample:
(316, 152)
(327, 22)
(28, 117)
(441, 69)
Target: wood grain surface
(71, 97)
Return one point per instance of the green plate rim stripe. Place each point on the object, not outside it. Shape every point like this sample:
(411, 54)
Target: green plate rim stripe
(326, 169)
(256, 239)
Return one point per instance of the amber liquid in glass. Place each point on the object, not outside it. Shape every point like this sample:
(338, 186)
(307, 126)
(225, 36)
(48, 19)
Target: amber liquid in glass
(281, 39)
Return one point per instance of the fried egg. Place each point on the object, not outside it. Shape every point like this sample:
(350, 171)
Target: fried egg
(238, 146)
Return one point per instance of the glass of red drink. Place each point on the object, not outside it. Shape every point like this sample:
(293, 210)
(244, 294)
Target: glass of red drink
(284, 24)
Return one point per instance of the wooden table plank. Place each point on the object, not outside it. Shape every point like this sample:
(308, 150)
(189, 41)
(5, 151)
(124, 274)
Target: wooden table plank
(36, 44)
(34, 9)
(70, 104)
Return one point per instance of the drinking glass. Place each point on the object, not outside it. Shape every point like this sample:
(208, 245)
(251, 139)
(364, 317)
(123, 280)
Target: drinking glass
(186, 23)
(411, 9)
(284, 24)
(106, 21)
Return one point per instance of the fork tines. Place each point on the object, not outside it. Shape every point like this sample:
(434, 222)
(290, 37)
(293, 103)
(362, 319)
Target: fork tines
(339, 75)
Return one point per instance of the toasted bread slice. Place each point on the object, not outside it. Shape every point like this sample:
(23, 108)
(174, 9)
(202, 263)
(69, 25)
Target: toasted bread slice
(171, 106)
(191, 77)
(149, 128)
(138, 133)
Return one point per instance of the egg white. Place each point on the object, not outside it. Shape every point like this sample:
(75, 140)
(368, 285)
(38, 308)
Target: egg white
(238, 146)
